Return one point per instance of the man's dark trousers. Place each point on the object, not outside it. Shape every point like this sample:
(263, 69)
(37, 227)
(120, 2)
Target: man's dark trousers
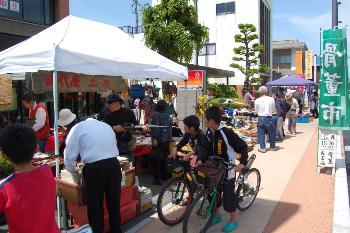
(103, 179)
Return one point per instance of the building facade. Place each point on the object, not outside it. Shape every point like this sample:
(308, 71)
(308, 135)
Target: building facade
(284, 56)
(222, 18)
(21, 19)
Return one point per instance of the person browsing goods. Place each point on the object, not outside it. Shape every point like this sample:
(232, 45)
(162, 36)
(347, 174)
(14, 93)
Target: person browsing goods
(96, 144)
(196, 138)
(265, 107)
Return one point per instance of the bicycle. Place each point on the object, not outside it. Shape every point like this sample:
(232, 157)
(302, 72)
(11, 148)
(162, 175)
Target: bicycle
(172, 207)
(202, 209)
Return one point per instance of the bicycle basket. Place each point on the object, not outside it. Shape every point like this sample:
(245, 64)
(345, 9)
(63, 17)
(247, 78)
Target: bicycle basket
(209, 174)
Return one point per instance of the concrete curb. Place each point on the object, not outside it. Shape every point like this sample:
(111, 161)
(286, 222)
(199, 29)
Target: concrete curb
(341, 217)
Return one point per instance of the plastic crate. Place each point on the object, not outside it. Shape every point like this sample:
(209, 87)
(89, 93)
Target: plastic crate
(302, 120)
(128, 212)
(80, 217)
(126, 195)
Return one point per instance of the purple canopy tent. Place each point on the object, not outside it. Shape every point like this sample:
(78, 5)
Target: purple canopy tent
(290, 81)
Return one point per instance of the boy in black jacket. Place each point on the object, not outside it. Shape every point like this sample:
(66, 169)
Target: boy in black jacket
(224, 142)
(196, 138)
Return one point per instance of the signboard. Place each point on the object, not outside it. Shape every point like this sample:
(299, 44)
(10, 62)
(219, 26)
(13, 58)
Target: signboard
(5, 90)
(71, 82)
(12, 106)
(308, 64)
(194, 82)
(11, 8)
(334, 83)
(329, 148)
(298, 62)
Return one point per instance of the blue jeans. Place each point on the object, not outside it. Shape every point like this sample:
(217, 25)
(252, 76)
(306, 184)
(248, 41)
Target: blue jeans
(274, 125)
(265, 125)
(42, 145)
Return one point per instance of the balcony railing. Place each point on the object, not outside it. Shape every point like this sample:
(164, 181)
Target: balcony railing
(132, 30)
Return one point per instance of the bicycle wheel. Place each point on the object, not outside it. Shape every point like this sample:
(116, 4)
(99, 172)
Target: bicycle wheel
(198, 217)
(248, 191)
(173, 201)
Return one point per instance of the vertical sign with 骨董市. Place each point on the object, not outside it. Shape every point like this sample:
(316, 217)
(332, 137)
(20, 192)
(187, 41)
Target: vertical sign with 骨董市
(308, 64)
(334, 98)
(334, 84)
(298, 63)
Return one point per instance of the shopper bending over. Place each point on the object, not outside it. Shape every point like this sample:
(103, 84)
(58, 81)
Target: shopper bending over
(196, 138)
(96, 144)
(225, 143)
(28, 196)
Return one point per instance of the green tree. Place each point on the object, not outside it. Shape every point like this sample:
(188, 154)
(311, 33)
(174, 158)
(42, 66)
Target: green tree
(172, 29)
(248, 53)
(222, 91)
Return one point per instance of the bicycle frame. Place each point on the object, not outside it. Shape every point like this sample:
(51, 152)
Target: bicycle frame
(213, 201)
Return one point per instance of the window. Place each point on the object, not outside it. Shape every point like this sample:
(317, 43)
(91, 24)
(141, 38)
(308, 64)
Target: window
(265, 32)
(208, 49)
(225, 8)
(33, 11)
(285, 59)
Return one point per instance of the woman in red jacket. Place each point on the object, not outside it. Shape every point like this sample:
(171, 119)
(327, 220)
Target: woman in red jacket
(38, 111)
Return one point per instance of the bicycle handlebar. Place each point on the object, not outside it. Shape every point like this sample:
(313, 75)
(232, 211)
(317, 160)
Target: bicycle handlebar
(221, 161)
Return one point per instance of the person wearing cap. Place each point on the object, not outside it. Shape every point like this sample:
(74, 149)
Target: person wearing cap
(291, 115)
(38, 111)
(66, 119)
(96, 144)
(264, 107)
(117, 118)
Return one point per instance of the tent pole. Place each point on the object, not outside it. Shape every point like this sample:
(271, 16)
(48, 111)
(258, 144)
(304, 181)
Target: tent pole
(55, 110)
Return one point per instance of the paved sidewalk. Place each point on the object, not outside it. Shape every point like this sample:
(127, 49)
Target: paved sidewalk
(278, 170)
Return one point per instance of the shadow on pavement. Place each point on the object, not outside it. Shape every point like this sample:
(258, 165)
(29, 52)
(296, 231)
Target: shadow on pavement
(280, 215)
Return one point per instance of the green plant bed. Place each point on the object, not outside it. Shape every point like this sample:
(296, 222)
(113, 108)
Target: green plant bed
(5, 167)
(222, 102)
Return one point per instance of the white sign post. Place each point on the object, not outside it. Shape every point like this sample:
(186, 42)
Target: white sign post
(329, 148)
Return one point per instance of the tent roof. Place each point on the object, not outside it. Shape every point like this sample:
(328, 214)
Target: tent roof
(84, 46)
(291, 81)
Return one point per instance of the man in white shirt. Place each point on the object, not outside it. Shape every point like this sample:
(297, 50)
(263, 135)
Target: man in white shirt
(96, 144)
(264, 107)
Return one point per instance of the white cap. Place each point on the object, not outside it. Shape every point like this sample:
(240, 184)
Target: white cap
(65, 117)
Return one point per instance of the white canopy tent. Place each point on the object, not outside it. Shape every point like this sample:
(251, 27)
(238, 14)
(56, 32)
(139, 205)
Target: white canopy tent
(83, 46)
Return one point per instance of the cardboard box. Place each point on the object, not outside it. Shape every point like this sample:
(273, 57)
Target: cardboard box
(128, 178)
(70, 192)
(144, 208)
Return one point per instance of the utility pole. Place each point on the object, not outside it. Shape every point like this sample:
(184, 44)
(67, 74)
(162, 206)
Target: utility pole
(335, 20)
(135, 5)
(197, 49)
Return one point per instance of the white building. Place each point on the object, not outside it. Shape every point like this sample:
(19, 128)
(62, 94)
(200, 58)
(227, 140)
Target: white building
(222, 18)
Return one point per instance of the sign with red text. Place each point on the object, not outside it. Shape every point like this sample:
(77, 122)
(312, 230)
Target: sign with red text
(194, 82)
(72, 82)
